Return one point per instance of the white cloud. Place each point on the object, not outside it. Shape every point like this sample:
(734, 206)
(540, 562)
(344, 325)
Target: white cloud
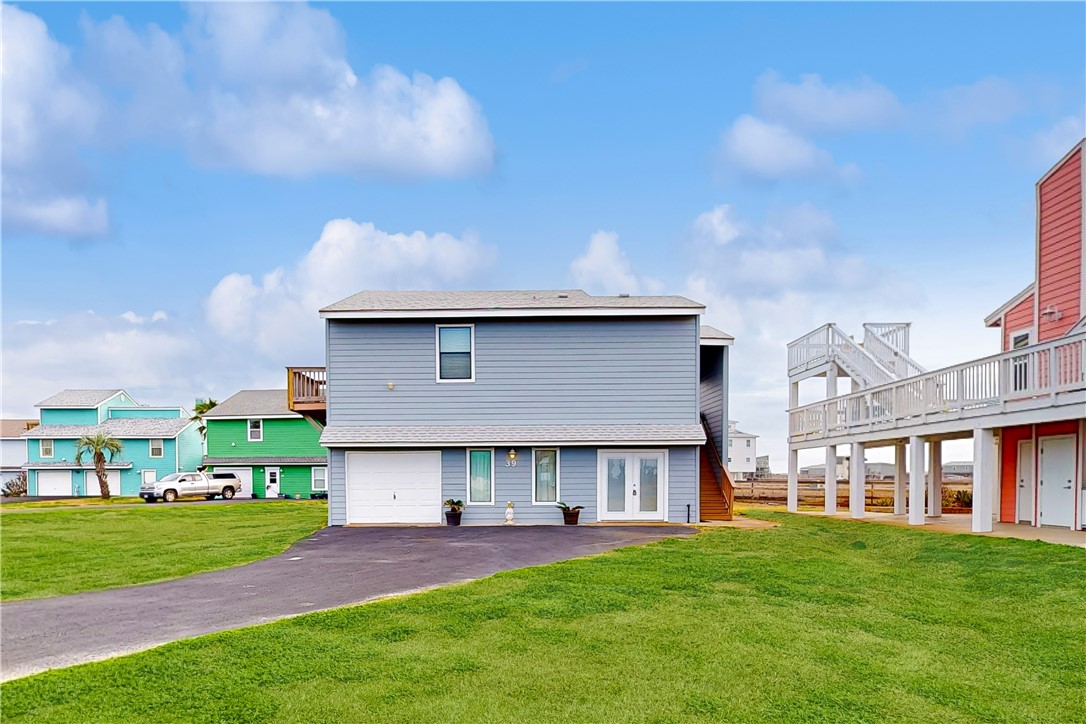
(134, 318)
(279, 311)
(767, 151)
(988, 101)
(716, 225)
(1049, 146)
(71, 216)
(812, 105)
(604, 268)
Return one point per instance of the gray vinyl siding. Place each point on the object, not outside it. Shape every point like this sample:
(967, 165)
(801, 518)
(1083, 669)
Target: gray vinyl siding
(337, 487)
(712, 391)
(682, 484)
(527, 371)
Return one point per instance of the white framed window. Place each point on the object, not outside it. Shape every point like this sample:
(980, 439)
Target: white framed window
(45, 448)
(320, 479)
(545, 476)
(480, 477)
(256, 430)
(455, 352)
(748, 442)
(155, 448)
(1021, 338)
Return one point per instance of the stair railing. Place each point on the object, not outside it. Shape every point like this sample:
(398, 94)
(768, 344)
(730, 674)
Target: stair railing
(724, 482)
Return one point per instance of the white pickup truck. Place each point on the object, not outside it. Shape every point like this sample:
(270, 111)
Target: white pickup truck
(191, 485)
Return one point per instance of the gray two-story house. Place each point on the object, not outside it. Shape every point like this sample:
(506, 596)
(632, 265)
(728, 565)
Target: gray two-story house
(614, 403)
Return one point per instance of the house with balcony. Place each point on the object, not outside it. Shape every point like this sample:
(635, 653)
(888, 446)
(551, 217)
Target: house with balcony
(273, 450)
(615, 403)
(1024, 408)
(156, 441)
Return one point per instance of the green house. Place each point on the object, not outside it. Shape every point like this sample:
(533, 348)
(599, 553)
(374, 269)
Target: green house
(275, 452)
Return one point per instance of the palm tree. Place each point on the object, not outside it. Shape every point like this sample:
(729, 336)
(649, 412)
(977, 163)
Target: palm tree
(201, 408)
(98, 446)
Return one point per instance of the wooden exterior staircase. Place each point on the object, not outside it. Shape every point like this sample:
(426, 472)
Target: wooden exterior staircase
(717, 488)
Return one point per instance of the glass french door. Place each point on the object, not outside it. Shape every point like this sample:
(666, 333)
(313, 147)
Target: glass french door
(632, 485)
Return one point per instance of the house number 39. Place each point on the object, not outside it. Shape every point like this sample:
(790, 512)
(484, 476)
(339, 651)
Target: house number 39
(510, 463)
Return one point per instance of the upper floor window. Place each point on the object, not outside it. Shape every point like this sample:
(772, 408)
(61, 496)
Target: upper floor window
(748, 442)
(256, 430)
(456, 353)
(1020, 340)
(156, 448)
(45, 447)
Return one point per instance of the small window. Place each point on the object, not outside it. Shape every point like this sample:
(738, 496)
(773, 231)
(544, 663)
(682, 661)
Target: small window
(256, 430)
(748, 442)
(156, 449)
(45, 447)
(480, 477)
(545, 476)
(1020, 340)
(455, 353)
(730, 441)
(320, 478)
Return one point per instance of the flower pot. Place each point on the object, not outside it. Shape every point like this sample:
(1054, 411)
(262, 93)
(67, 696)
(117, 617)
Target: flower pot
(569, 517)
(453, 517)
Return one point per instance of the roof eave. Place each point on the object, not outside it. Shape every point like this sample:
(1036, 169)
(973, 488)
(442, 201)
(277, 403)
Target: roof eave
(503, 313)
(995, 318)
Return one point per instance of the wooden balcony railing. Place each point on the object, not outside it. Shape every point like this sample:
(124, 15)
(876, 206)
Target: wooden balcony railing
(307, 388)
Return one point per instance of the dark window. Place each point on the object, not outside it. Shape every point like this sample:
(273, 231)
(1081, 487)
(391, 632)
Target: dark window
(454, 353)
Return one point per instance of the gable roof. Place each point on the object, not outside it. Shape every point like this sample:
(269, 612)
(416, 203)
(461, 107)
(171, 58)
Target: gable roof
(252, 403)
(553, 302)
(13, 427)
(78, 398)
(124, 427)
(996, 318)
(713, 336)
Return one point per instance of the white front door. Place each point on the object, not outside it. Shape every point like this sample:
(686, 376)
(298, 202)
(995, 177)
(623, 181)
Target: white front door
(54, 482)
(92, 489)
(1057, 478)
(1025, 482)
(271, 482)
(394, 487)
(632, 485)
(245, 475)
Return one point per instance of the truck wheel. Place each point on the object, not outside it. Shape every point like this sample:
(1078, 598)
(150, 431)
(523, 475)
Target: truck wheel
(169, 496)
(227, 493)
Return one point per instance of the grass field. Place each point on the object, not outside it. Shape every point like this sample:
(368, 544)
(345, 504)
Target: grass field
(53, 552)
(17, 504)
(814, 620)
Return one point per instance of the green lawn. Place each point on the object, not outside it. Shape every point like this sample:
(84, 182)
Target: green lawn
(814, 620)
(53, 552)
(19, 504)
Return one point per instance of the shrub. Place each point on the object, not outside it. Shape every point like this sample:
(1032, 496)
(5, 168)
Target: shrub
(16, 487)
(963, 498)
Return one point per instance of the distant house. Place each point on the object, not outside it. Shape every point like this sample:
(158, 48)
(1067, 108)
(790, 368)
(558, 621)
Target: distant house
(742, 452)
(156, 441)
(958, 470)
(13, 447)
(761, 467)
(273, 450)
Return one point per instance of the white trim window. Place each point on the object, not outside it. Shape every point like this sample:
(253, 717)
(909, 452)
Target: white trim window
(545, 480)
(155, 448)
(319, 479)
(255, 430)
(45, 448)
(455, 352)
(480, 476)
(1021, 338)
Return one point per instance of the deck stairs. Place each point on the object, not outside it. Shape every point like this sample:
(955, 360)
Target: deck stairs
(717, 488)
(881, 358)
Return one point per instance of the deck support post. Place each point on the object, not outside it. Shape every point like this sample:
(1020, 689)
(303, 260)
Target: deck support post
(935, 478)
(916, 480)
(831, 480)
(857, 479)
(793, 481)
(901, 480)
(984, 473)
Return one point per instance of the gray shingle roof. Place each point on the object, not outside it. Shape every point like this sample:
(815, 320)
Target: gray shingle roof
(128, 427)
(708, 332)
(516, 300)
(268, 460)
(456, 435)
(252, 403)
(78, 398)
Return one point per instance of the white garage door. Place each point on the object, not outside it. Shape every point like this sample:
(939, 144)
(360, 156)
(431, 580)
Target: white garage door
(245, 475)
(394, 487)
(54, 482)
(93, 489)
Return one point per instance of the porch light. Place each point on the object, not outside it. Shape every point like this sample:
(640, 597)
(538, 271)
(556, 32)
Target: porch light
(512, 454)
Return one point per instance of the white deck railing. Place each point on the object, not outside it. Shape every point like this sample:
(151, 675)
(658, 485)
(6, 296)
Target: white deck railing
(896, 333)
(829, 342)
(883, 341)
(1031, 372)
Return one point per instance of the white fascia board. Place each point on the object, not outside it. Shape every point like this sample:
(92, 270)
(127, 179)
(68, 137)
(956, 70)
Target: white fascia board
(995, 316)
(520, 443)
(516, 313)
(717, 342)
(253, 417)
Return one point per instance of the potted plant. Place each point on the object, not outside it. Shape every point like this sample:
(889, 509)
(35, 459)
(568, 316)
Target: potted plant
(455, 510)
(570, 515)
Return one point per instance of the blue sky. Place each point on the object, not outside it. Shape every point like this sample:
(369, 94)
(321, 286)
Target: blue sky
(176, 169)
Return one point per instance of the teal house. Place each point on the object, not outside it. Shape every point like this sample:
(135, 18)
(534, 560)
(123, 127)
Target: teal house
(273, 450)
(156, 441)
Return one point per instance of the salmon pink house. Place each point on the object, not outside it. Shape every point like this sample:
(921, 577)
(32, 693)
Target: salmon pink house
(1024, 408)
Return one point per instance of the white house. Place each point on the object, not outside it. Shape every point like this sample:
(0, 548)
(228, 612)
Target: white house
(742, 452)
(13, 447)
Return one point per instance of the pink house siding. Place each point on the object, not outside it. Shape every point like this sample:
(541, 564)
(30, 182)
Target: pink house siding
(1017, 318)
(1059, 258)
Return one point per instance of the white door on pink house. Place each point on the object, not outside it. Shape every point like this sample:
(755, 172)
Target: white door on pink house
(1056, 499)
(1025, 482)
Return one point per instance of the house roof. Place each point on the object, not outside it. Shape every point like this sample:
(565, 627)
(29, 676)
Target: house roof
(557, 302)
(70, 465)
(268, 460)
(252, 403)
(458, 435)
(15, 427)
(740, 433)
(126, 427)
(995, 318)
(78, 398)
(708, 332)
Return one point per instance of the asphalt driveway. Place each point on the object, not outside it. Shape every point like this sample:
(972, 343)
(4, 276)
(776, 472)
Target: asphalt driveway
(333, 567)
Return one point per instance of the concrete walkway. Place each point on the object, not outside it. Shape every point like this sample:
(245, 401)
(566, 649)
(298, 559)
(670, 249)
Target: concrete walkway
(963, 522)
(334, 567)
